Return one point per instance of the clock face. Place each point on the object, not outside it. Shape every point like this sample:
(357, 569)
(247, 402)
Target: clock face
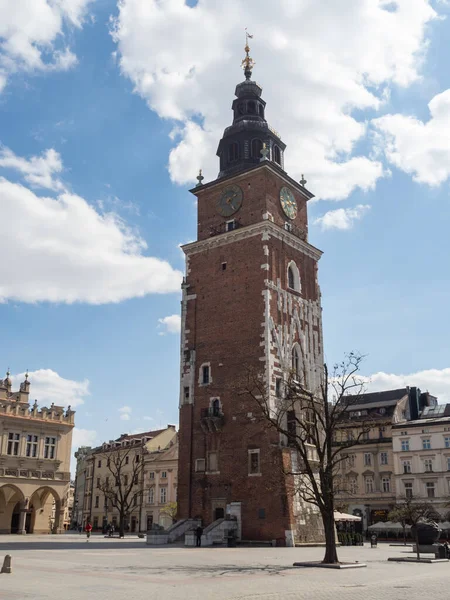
(288, 203)
(229, 201)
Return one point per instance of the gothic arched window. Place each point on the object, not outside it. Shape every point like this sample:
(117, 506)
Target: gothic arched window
(256, 148)
(293, 277)
(277, 155)
(233, 152)
(215, 407)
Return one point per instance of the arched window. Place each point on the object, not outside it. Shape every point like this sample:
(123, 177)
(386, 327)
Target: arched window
(215, 407)
(233, 152)
(277, 155)
(293, 277)
(296, 364)
(256, 148)
(261, 111)
(251, 108)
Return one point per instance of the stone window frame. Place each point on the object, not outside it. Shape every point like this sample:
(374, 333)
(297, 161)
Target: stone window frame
(386, 454)
(163, 492)
(386, 479)
(33, 445)
(430, 485)
(428, 465)
(13, 443)
(201, 373)
(296, 279)
(200, 465)
(250, 452)
(151, 495)
(369, 479)
(404, 446)
(367, 459)
(50, 447)
(426, 443)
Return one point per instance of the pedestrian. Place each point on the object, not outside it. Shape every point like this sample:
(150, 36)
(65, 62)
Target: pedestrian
(88, 530)
(111, 531)
(198, 536)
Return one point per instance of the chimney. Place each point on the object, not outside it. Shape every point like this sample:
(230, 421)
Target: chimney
(414, 395)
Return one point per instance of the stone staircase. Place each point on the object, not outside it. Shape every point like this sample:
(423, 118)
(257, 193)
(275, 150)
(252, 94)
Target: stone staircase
(176, 532)
(214, 534)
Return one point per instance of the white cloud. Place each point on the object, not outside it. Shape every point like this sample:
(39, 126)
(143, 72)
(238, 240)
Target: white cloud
(125, 413)
(66, 251)
(32, 35)
(83, 437)
(347, 57)
(435, 381)
(342, 218)
(39, 171)
(171, 324)
(47, 387)
(418, 148)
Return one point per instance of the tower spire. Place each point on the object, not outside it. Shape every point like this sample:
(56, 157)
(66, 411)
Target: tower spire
(248, 63)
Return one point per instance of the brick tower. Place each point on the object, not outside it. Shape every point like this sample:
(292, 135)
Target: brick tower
(251, 300)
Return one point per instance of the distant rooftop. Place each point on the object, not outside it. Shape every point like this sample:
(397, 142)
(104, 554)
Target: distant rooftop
(385, 398)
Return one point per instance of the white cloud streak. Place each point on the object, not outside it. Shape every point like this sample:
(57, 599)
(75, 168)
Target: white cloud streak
(65, 250)
(342, 218)
(47, 387)
(171, 324)
(435, 381)
(32, 35)
(38, 171)
(421, 149)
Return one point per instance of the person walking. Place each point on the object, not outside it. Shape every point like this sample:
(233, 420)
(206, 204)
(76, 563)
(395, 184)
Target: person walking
(198, 536)
(88, 530)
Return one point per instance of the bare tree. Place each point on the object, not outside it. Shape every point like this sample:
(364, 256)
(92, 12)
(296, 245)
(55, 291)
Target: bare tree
(412, 512)
(311, 424)
(124, 486)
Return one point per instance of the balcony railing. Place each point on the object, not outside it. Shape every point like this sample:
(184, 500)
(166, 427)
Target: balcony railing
(224, 227)
(211, 419)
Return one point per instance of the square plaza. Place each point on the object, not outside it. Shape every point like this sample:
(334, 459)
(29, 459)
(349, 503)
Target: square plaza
(50, 567)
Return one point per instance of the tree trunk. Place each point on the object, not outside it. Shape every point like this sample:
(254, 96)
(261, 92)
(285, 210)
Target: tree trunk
(404, 534)
(416, 536)
(331, 556)
(121, 525)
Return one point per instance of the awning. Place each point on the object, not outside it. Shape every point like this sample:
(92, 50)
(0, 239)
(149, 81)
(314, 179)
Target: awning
(338, 516)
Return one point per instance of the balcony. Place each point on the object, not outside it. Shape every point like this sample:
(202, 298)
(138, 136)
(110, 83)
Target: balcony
(211, 419)
(224, 227)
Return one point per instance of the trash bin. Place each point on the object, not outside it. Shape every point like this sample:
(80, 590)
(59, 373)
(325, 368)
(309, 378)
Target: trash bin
(440, 551)
(373, 541)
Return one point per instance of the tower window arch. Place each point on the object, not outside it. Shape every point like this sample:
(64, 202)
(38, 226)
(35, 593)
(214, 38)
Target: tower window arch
(251, 108)
(256, 148)
(296, 362)
(277, 155)
(293, 277)
(261, 111)
(233, 152)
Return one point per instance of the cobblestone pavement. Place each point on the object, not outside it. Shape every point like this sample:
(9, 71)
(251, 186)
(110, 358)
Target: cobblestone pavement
(51, 567)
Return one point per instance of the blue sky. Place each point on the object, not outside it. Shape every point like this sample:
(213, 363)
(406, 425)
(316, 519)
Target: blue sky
(106, 114)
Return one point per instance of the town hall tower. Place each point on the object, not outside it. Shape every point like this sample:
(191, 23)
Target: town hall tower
(251, 300)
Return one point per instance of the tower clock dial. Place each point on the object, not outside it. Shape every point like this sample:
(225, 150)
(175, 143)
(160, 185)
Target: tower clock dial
(229, 201)
(288, 203)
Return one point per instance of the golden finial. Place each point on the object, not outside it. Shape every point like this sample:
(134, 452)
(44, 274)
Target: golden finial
(199, 178)
(248, 63)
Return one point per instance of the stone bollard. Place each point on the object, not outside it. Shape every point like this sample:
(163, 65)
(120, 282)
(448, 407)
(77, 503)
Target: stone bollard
(7, 564)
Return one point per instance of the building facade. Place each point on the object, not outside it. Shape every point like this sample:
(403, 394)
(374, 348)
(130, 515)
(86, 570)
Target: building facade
(251, 302)
(366, 481)
(148, 472)
(422, 458)
(35, 446)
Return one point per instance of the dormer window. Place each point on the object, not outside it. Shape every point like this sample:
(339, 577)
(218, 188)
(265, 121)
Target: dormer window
(277, 155)
(233, 152)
